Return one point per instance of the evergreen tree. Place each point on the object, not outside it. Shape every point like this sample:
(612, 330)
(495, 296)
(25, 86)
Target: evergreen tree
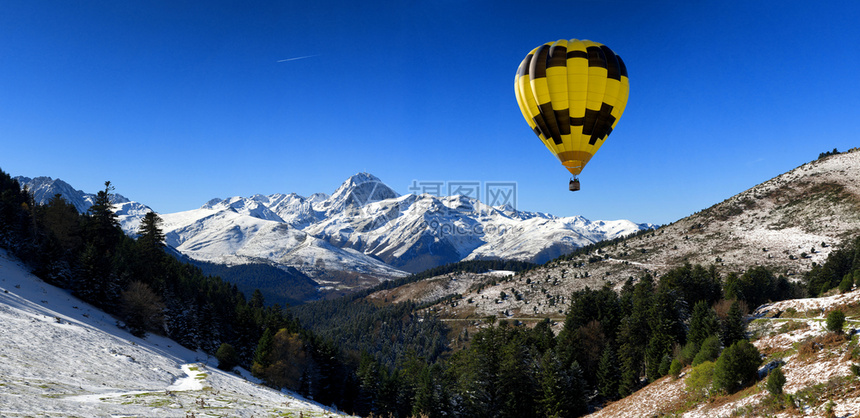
(227, 357)
(608, 374)
(835, 321)
(150, 244)
(775, 381)
(562, 390)
(150, 231)
(709, 351)
(734, 326)
(99, 285)
(737, 367)
(257, 300)
(516, 380)
(847, 283)
(693, 283)
(630, 354)
(103, 224)
(703, 323)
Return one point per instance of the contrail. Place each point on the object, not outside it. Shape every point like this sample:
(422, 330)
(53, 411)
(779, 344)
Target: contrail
(297, 58)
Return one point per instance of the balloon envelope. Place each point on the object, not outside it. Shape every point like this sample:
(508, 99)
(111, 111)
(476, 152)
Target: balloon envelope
(572, 94)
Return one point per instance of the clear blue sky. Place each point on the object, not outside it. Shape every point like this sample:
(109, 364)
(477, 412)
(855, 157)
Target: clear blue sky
(180, 102)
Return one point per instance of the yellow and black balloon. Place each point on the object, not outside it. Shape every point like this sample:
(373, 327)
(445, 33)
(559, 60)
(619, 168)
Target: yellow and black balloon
(572, 93)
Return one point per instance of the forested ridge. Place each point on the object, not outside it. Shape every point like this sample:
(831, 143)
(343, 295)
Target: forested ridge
(392, 360)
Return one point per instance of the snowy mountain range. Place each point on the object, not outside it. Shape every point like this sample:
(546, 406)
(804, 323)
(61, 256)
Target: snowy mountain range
(363, 232)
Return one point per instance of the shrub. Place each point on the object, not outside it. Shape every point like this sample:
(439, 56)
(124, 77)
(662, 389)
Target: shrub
(227, 357)
(675, 368)
(775, 381)
(737, 367)
(846, 284)
(700, 380)
(142, 309)
(835, 321)
(688, 353)
(710, 351)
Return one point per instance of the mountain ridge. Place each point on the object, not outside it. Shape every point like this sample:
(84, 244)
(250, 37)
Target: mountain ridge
(362, 233)
(787, 224)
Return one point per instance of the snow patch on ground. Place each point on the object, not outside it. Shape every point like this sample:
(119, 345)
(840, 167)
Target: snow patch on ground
(62, 357)
(666, 395)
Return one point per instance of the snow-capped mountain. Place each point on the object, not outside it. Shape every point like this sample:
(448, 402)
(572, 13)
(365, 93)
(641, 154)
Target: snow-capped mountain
(45, 188)
(364, 229)
(368, 228)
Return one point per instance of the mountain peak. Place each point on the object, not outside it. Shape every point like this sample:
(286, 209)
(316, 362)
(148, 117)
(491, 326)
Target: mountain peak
(44, 188)
(357, 191)
(361, 178)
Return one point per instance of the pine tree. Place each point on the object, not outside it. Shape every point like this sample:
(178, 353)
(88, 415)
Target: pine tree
(733, 327)
(630, 354)
(99, 285)
(709, 351)
(737, 366)
(608, 374)
(257, 301)
(775, 381)
(150, 244)
(703, 323)
(103, 224)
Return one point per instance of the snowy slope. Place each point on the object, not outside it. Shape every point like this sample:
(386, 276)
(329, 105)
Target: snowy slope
(62, 357)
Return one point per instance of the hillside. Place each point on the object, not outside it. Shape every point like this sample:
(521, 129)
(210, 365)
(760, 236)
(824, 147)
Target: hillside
(62, 357)
(817, 367)
(786, 224)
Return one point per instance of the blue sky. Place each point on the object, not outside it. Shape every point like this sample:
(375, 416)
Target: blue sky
(179, 102)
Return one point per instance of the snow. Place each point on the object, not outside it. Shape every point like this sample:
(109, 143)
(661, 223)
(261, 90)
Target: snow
(62, 357)
(364, 227)
(666, 395)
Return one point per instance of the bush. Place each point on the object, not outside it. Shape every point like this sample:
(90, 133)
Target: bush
(227, 358)
(775, 381)
(675, 368)
(142, 309)
(700, 380)
(835, 321)
(737, 367)
(710, 351)
(846, 284)
(688, 353)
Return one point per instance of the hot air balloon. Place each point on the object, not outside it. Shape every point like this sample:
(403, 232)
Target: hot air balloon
(572, 94)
